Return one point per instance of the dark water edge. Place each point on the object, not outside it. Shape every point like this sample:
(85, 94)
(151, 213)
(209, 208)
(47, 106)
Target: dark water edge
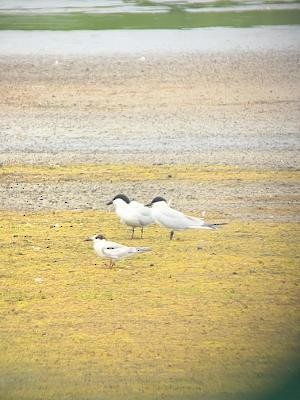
(174, 19)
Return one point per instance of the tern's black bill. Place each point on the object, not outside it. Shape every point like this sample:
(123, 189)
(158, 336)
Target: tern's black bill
(88, 239)
(109, 203)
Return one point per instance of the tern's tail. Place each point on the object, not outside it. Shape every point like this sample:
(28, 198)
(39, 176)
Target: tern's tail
(142, 249)
(216, 226)
(207, 226)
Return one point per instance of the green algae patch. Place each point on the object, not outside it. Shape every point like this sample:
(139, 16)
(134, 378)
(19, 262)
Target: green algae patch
(174, 18)
(135, 172)
(210, 314)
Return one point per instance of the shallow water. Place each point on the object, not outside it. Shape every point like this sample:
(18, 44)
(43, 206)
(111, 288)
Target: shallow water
(112, 42)
(136, 6)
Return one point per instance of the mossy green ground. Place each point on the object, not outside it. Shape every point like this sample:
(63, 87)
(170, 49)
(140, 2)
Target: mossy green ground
(177, 323)
(175, 18)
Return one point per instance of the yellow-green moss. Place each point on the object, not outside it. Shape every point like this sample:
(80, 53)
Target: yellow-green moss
(178, 321)
(134, 172)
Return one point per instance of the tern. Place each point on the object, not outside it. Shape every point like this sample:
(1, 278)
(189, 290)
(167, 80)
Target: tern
(114, 251)
(132, 213)
(175, 220)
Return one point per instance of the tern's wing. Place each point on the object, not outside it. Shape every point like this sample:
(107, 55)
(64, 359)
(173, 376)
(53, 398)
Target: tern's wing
(114, 250)
(189, 220)
(171, 219)
(199, 221)
(144, 215)
(123, 251)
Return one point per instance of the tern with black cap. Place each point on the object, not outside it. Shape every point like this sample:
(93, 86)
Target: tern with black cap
(132, 213)
(175, 220)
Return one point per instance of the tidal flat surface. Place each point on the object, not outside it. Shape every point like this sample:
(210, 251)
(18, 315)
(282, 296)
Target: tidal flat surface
(236, 104)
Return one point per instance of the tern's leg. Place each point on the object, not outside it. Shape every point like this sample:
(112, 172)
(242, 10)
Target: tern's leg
(111, 263)
(171, 235)
(142, 232)
(132, 234)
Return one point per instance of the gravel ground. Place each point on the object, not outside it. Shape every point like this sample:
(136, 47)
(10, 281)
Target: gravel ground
(272, 201)
(237, 108)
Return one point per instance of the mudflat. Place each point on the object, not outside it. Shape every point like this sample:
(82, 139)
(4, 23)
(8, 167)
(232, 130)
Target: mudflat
(233, 108)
